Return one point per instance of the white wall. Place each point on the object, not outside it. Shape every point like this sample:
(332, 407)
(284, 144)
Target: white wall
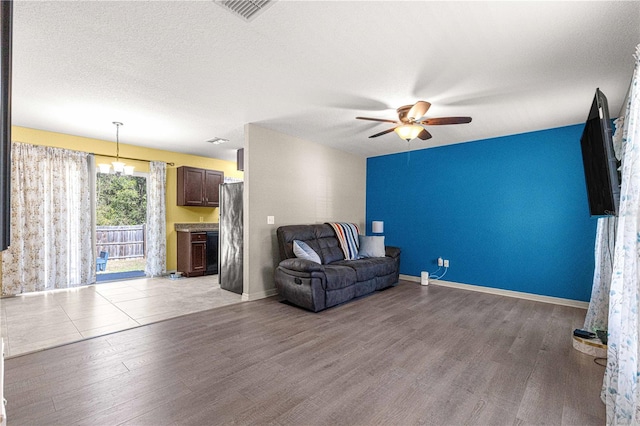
(297, 182)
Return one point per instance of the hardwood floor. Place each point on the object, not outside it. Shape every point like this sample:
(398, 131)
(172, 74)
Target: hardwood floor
(408, 355)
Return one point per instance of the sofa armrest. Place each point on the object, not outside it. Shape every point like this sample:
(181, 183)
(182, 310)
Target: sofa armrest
(301, 265)
(391, 251)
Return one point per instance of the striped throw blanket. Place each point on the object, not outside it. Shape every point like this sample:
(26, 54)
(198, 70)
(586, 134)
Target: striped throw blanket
(347, 234)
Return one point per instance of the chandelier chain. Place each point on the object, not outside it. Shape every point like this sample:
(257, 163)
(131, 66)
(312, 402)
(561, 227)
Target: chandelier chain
(118, 124)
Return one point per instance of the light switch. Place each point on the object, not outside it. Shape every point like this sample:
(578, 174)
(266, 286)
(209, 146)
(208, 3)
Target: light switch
(270, 220)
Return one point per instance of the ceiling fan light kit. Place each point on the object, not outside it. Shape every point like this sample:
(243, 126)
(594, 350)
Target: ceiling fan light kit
(408, 131)
(411, 122)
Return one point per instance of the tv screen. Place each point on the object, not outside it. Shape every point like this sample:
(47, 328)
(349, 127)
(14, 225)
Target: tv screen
(600, 163)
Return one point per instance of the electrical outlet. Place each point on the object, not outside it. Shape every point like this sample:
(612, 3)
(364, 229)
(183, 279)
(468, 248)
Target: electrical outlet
(446, 263)
(439, 261)
(270, 220)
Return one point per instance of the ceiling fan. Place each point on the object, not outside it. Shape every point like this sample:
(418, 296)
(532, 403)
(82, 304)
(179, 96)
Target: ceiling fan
(411, 121)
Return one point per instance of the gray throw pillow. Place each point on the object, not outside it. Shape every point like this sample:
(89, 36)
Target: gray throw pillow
(371, 246)
(303, 251)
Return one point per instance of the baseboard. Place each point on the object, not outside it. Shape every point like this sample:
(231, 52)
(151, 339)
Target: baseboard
(246, 297)
(501, 292)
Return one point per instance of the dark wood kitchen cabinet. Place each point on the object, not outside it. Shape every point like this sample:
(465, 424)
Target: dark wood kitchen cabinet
(192, 253)
(199, 187)
(197, 253)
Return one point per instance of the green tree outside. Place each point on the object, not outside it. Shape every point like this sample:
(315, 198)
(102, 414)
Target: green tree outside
(121, 200)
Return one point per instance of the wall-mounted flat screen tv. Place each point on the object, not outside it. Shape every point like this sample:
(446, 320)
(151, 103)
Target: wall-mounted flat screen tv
(600, 163)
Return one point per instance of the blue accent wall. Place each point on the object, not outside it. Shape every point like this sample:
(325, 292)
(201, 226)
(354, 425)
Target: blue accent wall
(509, 212)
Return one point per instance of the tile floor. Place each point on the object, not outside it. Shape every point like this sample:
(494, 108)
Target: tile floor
(32, 322)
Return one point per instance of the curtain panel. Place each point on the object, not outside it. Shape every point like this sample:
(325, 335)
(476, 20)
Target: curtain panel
(620, 390)
(51, 232)
(597, 317)
(156, 264)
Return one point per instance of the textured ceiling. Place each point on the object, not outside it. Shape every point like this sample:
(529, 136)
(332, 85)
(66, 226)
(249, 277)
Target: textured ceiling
(178, 73)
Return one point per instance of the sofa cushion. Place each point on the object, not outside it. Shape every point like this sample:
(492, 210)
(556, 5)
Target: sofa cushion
(371, 247)
(330, 250)
(338, 276)
(303, 251)
(286, 235)
(320, 237)
(370, 268)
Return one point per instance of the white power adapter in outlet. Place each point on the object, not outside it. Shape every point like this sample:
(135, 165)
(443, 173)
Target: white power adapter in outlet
(446, 263)
(440, 261)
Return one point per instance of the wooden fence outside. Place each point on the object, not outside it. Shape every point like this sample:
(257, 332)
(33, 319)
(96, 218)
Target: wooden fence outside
(121, 242)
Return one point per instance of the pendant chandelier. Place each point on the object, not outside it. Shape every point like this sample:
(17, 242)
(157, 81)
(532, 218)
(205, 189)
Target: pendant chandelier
(119, 167)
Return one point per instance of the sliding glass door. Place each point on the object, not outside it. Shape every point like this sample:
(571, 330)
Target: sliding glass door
(120, 233)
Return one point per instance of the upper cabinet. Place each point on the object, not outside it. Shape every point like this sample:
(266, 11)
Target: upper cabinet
(199, 187)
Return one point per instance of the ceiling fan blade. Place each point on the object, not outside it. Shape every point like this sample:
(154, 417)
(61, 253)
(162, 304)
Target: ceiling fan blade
(424, 135)
(418, 110)
(377, 119)
(446, 120)
(382, 133)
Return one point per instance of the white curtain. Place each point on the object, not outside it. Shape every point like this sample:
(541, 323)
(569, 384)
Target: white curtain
(597, 317)
(51, 231)
(156, 220)
(620, 387)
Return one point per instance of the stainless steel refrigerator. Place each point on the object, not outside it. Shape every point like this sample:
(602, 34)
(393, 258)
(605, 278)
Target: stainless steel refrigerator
(230, 253)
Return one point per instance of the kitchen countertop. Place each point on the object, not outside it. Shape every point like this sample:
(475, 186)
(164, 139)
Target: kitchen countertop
(196, 227)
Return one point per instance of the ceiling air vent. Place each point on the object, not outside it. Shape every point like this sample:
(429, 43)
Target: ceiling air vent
(246, 9)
